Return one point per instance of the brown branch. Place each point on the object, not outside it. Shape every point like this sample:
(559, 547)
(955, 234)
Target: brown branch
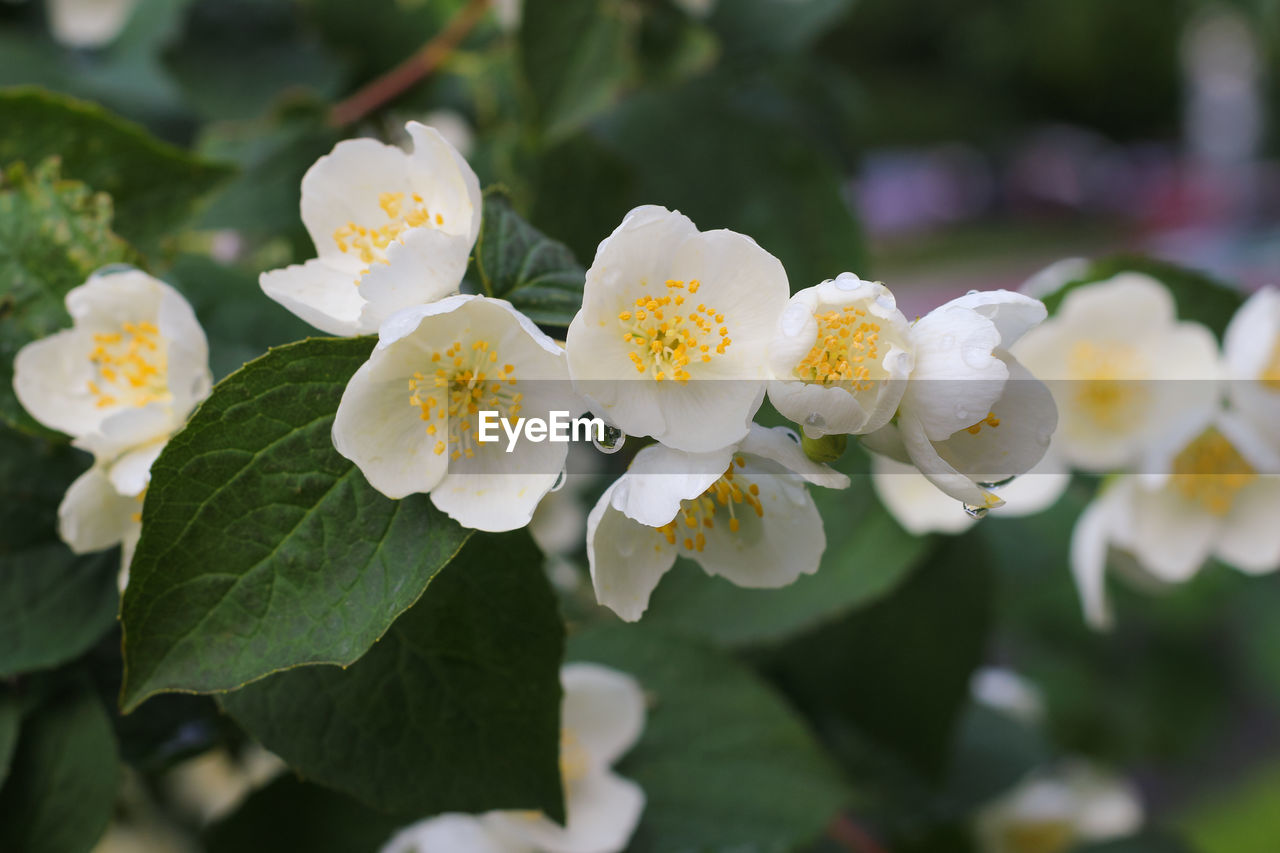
(849, 835)
(379, 92)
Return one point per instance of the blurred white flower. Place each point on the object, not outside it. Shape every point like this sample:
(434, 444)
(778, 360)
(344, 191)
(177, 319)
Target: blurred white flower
(391, 229)
(1212, 492)
(1251, 350)
(211, 785)
(920, 508)
(1122, 369)
(602, 718)
(840, 357)
(128, 371)
(672, 337)
(454, 127)
(744, 513)
(972, 415)
(1056, 811)
(88, 23)
(410, 416)
(508, 14)
(1008, 692)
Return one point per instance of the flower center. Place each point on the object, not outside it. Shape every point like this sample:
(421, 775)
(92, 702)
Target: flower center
(131, 367)
(464, 381)
(1102, 389)
(1271, 373)
(846, 350)
(1210, 471)
(724, 497)
(990, 420)
(370, 243)
(575, 763)
(1039, 837)
(667, 337)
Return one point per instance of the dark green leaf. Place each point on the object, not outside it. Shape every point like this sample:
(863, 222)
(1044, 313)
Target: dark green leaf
(155, 186)
(1199, 297)
(724, 764)
(867, 555)
(773, 26)
(289, 814)
(10, 723)
(520, 264)
(577, 56)
(906, 660)
(62, 784)
(53, 234)
(457, 708)
(261, 547)
(1148, 841)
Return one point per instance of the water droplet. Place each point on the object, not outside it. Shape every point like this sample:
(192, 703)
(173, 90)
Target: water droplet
(561, 479)
(962, 413)
(998, 483)
(971, 293)
(614, 438)
(978, 512)
(791, 434)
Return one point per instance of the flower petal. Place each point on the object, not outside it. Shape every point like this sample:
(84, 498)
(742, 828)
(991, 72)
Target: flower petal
(320, 293)
(453, 833)
(93, 515)
(957, 378)
(428, 264)
(130, 473)
(925, 457)
(1250, 537)
(1013, 314)
(913, 501)
(777, 446)
(661, 477)
(603, 710)
(1090, 540)
(602, 810)
(627, 558)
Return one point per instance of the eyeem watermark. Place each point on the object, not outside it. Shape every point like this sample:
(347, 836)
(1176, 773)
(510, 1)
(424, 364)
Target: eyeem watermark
(560, 428)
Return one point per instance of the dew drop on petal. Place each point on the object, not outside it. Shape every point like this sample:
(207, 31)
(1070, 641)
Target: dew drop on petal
(791, 434)
(561, 479)
(998, 483)
(614, 439)
(978, 512)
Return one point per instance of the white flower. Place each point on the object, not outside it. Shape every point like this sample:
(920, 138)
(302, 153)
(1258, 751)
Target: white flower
(508, 14)
(672, 337)
(840, 357)
(1251, 349)
(410, 416)
(210, 785)
(1009, 693)
(391, 230)
(971, 414)
(920, 508)
(742, 512)
(1126, 369)
(602, 718)
(1057, 811)
(88, 23)
(1212, 492)
(128, 371)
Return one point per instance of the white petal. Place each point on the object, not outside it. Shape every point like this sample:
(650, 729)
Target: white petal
(1054, 276)
(344, 187)
(913, 501)
(50, 379)
(125, 428)
(602, 810)
(1013, 314)
(1250, 535)
(661, 477)
(443, 176)
(427, 265)
(1036, 490)
(88, 23)
(1123, 307)
(776, 445)
(925, 457)
(1090, 542)
(131, 472)
(957, 378)
(1252, 335)
(452, 833)
(324, 295)
(603, 710)
(93, 515)
(1170, 535)
(188, 352)
(627, 558)
(497, 491)
(1107, 806)
(771, 550)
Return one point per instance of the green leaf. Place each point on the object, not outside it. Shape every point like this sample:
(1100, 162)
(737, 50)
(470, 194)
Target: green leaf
(10, 723)
(867, 555)
(155, 186)
(774, 26)
(1199, 297)
(914, 652)
(53, 234)
(1155, 841)
(53, 605)
(261, 547)
(520, 264)
(577, 56)
(724, 764)
(62, 784)
(289, 814)
(457, 708)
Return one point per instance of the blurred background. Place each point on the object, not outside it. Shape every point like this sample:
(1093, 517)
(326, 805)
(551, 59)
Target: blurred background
(937, 145)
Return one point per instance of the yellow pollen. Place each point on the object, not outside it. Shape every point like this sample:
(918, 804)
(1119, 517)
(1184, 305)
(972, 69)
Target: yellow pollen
(1042, 836)
(131, 367)
(846, 339)
(369, 244)
(990, 420)
(1101, 371)
(1271, 373)
(1210, 472)
(450, 401)
(664, 350)
(725, 495)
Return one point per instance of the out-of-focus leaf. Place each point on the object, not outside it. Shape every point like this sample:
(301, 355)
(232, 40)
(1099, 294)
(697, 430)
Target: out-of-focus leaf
(154, 186)
(1199, 297)
(10, 723)
(457, 708)
(62, 782)
(867, 555)
(520, 264)
(54, 233)
(1155, 841)
(754, 27)
(374, 35)
(289, 814)
(724, 763)
(577, 56)
(261, 547)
